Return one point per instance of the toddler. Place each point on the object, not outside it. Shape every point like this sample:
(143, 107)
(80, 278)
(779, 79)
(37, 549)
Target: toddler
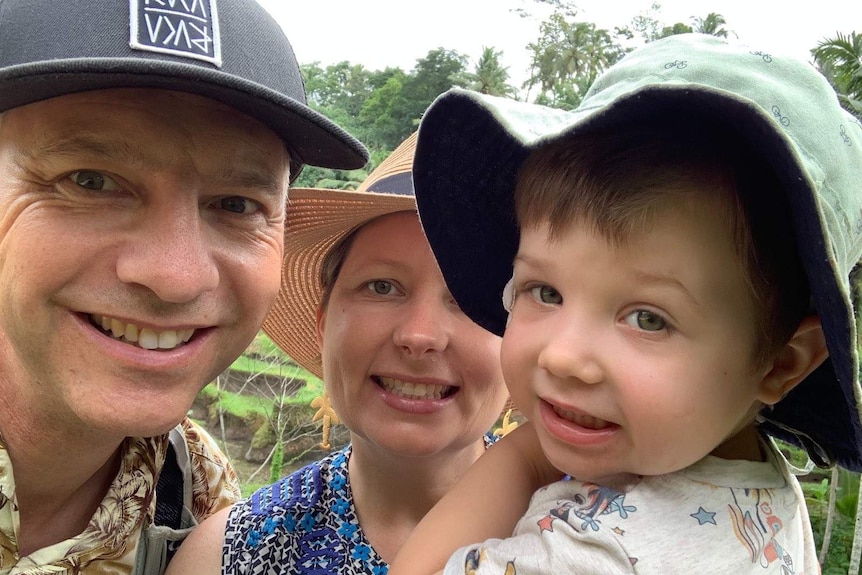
(676, 256)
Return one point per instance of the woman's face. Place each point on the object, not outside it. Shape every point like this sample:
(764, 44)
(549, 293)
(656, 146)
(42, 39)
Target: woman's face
(405, 369)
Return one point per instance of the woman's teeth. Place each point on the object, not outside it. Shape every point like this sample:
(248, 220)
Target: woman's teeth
(414, 390)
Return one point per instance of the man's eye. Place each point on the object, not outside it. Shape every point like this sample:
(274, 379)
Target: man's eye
(546, 294)
(646, 320)
(239, 205)
(381, 287)
(95, 181)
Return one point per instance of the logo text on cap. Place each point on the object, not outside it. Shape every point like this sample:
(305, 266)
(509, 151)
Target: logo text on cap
(187, 28)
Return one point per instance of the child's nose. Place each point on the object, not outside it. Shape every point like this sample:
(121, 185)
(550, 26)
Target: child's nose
(571, 354)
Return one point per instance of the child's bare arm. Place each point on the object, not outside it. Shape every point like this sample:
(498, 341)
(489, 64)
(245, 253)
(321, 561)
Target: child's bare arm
(486, 503)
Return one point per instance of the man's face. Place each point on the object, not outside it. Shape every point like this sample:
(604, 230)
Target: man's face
(132, 220)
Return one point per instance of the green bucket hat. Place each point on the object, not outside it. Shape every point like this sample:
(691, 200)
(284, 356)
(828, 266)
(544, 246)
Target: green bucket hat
(471, 147)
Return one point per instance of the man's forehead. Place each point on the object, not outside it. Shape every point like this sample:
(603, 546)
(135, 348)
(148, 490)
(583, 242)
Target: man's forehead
(157, 129)
(141, 108)
(153, 100)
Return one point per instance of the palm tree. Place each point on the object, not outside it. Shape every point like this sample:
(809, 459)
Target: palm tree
(713, 24)
(840, 60)
(490, 76)
(567, 58)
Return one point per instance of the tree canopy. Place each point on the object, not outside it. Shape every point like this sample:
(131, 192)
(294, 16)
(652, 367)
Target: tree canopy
(383, 107)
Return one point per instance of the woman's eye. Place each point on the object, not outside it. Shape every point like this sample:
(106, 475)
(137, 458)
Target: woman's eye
(546, 294)
(381, 287)
(239, 205)
(94, 181)
(646, 320)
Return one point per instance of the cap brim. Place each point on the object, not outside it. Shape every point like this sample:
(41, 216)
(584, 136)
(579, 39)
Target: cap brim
(311, 138)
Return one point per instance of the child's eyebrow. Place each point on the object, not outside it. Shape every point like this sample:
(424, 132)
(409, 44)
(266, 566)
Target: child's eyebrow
(666, 280)
(526, 259)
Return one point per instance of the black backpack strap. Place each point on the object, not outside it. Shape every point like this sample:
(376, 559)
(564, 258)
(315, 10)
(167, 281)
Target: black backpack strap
(174, 488)
(173, 518)
(169, 492)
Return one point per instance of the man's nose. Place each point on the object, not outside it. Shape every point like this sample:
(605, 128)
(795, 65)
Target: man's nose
(171, 252)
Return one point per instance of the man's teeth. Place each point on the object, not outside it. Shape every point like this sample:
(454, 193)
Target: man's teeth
(587, 421)
(414, 390)
(146, 337)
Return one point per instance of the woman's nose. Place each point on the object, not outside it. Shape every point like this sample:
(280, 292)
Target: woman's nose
(423, 328)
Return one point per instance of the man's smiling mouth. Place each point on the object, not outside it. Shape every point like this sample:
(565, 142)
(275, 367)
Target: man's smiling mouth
(142, 337)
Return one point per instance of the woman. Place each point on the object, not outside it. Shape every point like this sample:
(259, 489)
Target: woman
(416, 383)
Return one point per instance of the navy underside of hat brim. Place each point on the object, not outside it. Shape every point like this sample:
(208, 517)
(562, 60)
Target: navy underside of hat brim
(476, 256)
(311, 138)
(464, 174)
(817, 406)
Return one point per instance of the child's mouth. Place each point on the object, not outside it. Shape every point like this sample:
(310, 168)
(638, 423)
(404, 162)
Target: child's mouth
(586, 421)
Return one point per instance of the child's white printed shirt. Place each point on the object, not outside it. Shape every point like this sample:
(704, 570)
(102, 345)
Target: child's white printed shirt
(715, 517)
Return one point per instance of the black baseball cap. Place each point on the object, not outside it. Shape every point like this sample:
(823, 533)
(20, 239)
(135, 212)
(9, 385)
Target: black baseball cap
(232, 51)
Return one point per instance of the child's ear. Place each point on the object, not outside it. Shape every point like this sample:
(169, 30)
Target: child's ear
(804, 353)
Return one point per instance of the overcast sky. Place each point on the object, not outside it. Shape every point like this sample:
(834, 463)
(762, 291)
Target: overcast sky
(380, 33)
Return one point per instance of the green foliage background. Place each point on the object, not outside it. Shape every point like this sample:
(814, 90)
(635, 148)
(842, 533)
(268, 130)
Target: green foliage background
(382, 107)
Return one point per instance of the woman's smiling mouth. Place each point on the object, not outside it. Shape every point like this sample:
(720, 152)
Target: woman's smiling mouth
(411, 390)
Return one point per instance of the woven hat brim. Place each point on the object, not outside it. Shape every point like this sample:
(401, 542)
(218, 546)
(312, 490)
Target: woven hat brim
(471, 147)
(317, 219)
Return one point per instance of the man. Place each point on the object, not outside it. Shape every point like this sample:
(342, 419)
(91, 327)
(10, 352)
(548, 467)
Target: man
(146, 148)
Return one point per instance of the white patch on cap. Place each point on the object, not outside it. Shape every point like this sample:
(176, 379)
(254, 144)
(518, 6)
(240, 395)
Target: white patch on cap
(187, 28)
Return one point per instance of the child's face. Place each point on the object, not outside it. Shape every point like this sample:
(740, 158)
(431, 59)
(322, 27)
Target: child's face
(634, 358)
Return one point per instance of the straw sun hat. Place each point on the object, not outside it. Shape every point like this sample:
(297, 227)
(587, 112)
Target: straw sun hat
(317, 219)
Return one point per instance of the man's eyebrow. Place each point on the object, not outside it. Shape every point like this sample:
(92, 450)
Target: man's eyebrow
(239, 175)
(247, 177)
(78, 143)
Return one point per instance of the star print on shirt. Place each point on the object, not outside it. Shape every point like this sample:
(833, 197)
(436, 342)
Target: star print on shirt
(703, 516)
(546, 523)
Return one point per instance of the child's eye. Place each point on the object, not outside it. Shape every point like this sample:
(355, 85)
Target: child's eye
(382, 287)
(646, 320)
(546, 294)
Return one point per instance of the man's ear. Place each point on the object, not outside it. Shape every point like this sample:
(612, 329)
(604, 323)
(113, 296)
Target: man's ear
(804, 353)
